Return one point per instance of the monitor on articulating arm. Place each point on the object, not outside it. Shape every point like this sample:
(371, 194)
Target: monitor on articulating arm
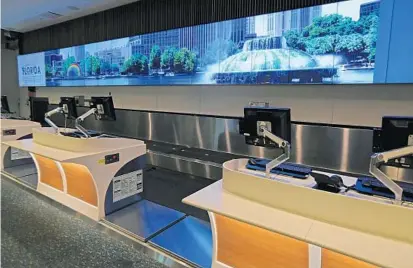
(68, 105)
(394, 144)
(397, 132)
(275, 120)
(269, 127)
(105, 109)
(102, 108)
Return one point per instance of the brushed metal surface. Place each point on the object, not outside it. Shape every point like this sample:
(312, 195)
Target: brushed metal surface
(185, 165)
(400, 174)
(335, 148)
(144, 218)
(189, 239)
(341, 149)
(22, 170)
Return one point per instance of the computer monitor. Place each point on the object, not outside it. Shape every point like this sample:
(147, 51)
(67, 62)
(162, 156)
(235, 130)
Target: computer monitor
(276, 120)
(5, 105)
(69, 107)
(105, 108)
(38, 108)
(396, 132)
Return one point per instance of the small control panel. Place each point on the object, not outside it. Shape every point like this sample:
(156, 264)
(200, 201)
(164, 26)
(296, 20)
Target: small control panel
(112, 158)
(9, 132)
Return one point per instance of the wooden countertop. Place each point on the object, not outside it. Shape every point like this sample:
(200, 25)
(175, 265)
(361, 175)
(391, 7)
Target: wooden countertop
(370, 248)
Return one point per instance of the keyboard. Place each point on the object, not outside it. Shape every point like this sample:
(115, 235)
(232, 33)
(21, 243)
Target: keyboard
(372, 186)
(78, 134)
(292, 170)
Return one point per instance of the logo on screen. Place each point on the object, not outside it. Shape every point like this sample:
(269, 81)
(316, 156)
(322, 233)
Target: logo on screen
(31, 70)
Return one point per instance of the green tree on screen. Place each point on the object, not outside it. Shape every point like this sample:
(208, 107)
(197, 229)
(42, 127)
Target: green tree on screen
(167, 58)
(105, 67)
(92, 65)
(295, 39)
(126, 65)
(184, 61)
(351, 44)
(369, 25)
(322, 45)
(137, 64)
(155, 57)
(337, 34)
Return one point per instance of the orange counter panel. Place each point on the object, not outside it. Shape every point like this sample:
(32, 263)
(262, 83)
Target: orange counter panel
(49, 172)
(243, 245)
(80, 183)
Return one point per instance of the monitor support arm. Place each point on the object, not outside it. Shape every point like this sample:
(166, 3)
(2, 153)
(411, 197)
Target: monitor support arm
(283, 144)
(81, 118)
(377, 159)
(49, 121)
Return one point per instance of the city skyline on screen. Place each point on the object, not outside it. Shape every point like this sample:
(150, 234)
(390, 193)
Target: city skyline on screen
(327, 44)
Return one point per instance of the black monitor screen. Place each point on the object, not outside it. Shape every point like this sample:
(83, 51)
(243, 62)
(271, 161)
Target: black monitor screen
(278, 122)
(69, 107)
(397, 132)
(38, 108)
(105, 108)
(5, 104)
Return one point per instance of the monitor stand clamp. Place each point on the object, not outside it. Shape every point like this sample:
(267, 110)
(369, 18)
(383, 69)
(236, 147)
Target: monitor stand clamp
(375, 162)
(49, 121)
(81, 118)
(283, 144)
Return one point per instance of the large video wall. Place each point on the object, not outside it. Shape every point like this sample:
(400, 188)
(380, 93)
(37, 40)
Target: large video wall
(328, 44)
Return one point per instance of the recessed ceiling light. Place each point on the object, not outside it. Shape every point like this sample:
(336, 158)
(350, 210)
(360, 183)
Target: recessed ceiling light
(50, 15)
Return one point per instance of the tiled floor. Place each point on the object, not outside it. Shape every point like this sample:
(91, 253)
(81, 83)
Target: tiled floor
(34, 233)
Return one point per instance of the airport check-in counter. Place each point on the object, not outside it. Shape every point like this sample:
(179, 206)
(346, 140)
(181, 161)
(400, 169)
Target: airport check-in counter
(11, 130)
(93, 176)
(248, 230)
(257, 222)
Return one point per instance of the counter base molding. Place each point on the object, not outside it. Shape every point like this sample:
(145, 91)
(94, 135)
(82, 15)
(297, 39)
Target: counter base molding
(80, 173)
(331, 259)
(243, 245)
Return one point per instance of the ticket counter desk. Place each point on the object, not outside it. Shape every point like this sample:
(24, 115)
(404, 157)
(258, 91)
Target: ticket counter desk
(93, 176)
(260, 222)
(12, 130)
